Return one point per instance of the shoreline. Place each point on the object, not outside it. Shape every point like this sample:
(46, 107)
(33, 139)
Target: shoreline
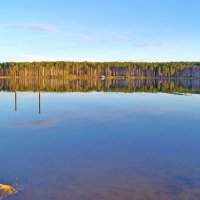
(96, 77)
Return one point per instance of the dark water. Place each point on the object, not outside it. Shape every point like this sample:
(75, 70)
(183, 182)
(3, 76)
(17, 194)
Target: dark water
(100, 145)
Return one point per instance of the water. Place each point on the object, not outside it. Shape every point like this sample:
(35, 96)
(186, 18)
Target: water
(100, 145)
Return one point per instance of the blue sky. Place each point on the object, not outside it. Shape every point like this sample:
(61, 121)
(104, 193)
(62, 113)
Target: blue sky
(106, 30)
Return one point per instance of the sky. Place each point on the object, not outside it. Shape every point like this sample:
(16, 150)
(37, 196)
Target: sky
(106, 30)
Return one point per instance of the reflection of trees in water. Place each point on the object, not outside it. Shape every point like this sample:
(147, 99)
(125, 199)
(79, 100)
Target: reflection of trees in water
(107, 85)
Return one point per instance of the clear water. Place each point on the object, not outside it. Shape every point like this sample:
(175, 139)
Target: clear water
(100, 146)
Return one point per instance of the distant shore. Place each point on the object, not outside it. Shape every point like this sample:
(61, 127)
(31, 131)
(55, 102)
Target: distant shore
(106, 70)
(95, 77)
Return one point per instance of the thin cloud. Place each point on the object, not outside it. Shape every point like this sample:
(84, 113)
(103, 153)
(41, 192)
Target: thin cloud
(113, 38)
(152, 44)
(35, 27)
(13, 44)
(83, 37)
(7, 44)
(24, 58)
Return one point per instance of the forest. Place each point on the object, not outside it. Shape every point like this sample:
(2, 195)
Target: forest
(97, 69)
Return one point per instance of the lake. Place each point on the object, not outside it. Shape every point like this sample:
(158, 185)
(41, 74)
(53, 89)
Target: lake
(101, 140)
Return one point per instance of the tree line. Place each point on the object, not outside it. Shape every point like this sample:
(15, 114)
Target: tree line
(96, 69)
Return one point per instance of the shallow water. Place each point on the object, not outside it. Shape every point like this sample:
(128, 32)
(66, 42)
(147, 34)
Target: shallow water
(100, 146)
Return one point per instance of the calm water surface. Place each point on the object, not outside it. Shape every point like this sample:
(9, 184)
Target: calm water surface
(100, 146)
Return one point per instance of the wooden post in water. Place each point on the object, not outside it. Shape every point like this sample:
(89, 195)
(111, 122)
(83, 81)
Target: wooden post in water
(39, 103)
(15, 101)
(39, 92)
(15, 92)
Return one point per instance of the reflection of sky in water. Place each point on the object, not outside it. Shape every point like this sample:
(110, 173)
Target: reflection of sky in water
(101, 145)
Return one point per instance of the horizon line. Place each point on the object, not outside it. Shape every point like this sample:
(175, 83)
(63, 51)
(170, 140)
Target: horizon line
(92, 61)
